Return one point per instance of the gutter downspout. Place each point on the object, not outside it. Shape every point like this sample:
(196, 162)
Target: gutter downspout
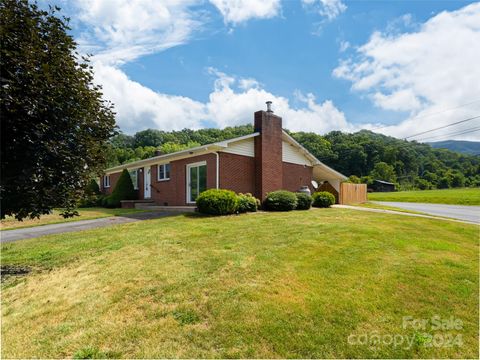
(217, 170)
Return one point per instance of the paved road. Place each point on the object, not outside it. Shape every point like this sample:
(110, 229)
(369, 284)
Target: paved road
(37, 231)
(460, 212)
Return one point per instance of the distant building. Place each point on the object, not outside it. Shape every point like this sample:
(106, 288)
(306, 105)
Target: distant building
(382, 186)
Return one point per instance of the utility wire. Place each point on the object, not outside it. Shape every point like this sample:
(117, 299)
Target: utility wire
(443, 127)
(427, 115)
(406, 144)
(461, 132)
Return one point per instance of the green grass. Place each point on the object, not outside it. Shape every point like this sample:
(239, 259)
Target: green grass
(264, 285)
(466, 196)
(55, 217)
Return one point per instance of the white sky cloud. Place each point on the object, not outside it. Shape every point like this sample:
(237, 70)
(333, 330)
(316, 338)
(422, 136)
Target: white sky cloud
(119, 31)
(237, 11)
(427, 71)
(330, 9)
(231, 102)
(422, 72)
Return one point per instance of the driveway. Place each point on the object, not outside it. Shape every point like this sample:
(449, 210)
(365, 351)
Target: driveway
(37, 231)
(459, 212)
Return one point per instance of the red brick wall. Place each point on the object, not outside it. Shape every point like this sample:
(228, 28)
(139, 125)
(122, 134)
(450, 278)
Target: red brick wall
(113, 181)
(173, 191)
(237, 173)
(268, 153)
(295, 176)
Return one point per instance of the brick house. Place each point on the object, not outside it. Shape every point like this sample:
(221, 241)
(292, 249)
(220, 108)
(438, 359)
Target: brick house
(268, 159)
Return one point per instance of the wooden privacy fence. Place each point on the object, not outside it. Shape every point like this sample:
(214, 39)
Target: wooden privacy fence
(352, 193)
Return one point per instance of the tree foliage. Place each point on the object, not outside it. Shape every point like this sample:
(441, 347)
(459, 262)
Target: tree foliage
(55, 124)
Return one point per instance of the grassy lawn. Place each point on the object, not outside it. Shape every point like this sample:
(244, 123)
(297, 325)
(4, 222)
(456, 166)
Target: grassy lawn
(55, 217)
(288, 285)
(466, 196)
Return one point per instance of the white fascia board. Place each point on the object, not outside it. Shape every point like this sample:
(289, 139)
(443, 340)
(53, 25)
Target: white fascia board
(199, 150)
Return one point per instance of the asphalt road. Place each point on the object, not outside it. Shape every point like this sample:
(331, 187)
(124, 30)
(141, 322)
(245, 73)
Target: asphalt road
(460, 212)
(37, 231)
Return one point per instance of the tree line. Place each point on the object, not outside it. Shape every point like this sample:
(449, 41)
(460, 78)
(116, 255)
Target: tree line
(364, 156)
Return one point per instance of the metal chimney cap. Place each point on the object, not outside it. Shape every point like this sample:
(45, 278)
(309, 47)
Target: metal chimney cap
(269, 107)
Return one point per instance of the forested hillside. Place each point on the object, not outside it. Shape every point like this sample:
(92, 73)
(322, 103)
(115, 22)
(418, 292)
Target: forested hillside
(466, 147)
(363, 156)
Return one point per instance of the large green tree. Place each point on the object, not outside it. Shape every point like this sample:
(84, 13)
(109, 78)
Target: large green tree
(55, 124)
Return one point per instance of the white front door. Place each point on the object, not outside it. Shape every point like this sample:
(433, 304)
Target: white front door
(147, 189)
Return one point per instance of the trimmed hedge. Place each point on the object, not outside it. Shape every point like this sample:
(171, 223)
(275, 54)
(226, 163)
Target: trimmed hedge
(323, 199)
(281, 200)
(304, 201)
(247, 203)
(92, 188)
(217, 202)
(123, 191)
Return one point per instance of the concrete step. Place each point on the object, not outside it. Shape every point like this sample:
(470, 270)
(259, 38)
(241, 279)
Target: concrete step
(165, 208)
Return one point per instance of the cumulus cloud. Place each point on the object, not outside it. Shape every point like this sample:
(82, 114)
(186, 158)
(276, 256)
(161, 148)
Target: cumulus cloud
(424, 72)
(237, 11)
(231, 102)
(121, 31)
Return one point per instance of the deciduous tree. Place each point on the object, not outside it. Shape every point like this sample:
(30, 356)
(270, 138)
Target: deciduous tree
(54, 122)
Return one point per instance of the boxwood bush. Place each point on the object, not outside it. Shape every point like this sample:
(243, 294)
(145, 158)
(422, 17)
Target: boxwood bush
(123, 191)
(304, 201)
(281, 200)
(247, 203)
(323, 199)
(217, 202)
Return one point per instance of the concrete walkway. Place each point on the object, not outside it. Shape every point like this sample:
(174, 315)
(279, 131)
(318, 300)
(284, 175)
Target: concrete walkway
(459, 212)
(37, 231)
(400, 213)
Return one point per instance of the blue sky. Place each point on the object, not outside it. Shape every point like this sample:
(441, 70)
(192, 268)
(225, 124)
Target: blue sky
(326, 64)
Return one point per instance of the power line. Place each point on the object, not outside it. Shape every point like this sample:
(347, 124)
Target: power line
(427, 115)
(406, 145)
(443, 127)
(461, 132)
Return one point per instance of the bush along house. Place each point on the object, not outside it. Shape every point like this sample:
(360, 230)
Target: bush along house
(267, 160)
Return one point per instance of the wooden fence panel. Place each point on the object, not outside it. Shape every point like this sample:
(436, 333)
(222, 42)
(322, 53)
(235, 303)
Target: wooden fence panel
(352, 193)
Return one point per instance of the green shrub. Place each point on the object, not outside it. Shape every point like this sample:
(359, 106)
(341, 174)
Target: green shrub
(323, 199)
(92, 188)
(247, 203)
(304, 201)
(123, 191)
(281, 200)
(90, 201)
(92, 195)
(217, 202)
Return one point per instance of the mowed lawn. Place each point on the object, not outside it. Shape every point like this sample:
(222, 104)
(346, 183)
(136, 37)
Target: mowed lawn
(55, 217)
(264, 285)
(465, 196)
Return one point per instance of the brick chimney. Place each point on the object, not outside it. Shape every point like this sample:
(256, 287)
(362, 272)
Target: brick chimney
(268, 153)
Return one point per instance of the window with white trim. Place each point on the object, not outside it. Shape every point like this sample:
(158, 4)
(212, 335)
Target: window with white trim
(106, 181)
(163, 172)
(134, 177)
